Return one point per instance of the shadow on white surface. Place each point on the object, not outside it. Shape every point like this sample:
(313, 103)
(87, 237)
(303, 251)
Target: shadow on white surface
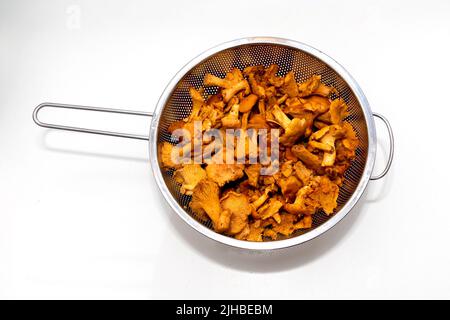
(62, 148)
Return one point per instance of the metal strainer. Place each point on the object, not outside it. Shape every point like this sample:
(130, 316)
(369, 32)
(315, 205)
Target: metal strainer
(305, 61)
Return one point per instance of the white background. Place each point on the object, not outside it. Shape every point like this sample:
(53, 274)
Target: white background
(82, 217)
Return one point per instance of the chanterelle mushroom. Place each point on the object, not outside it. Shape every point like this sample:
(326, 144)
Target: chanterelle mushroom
(337, 112)
(253, 172)
(260, 201)
(318, 104)
(270, 76)
(197, 103)
(269, 209)
(209, 113)
(290, 86)
(165, 152)
(173, 156)
(247, 103)
(303, 204)
(224, 173)
(311, 160)
(230, 92)
(255, 232)
(289, 186)
(293, 129)
(346, 147)
(189, 176)
(286, 226)
(287, 181)
(224, 221)
(205, 198)
(257, 121)
(327, 193)
(320, 193)
(232, 84)
(314, 86)
(305, 223)
(254, 74)
(238, 205)
(309, 86)
(327, 137)
(302, 172)
(231, 120)
(313, 105)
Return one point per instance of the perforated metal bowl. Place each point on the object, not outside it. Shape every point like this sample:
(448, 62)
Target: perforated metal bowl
(305, 61)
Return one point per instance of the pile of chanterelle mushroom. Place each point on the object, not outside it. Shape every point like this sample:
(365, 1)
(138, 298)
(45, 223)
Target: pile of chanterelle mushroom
(315, 147)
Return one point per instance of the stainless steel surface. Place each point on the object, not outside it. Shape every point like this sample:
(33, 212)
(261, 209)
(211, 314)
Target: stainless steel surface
(391, 147)
(175, 104)
(85, 130)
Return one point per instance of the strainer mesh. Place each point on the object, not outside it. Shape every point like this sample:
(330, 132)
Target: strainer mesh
(303, 65)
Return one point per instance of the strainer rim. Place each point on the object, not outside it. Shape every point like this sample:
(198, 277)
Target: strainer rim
(277, 244)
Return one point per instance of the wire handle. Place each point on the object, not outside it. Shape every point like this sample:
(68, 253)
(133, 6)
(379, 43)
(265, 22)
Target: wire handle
(85, 130)
(391, 147)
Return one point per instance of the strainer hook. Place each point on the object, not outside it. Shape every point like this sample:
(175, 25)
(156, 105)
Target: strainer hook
(391, 147)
